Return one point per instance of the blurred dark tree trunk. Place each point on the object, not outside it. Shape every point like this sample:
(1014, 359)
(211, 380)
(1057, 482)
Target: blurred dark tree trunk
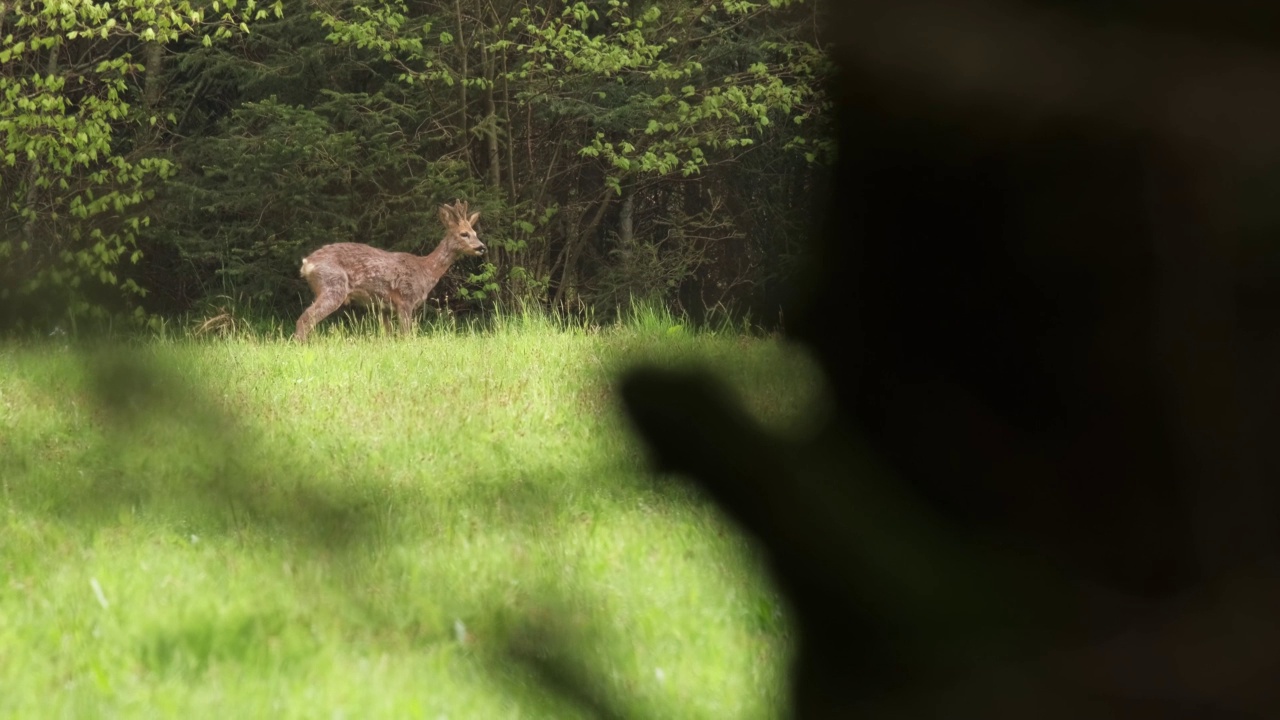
(1042, 488)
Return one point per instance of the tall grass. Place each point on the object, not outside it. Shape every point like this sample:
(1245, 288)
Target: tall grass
(372, 526)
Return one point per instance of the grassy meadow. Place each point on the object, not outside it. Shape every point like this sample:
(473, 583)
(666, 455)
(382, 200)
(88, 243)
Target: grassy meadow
(373, 527)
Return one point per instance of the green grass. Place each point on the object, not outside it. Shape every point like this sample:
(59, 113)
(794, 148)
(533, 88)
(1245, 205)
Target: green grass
(373, 527)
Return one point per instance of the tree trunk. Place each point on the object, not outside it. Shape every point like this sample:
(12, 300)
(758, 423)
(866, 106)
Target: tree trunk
(569, 273)
(33, 192)
(506, 111)
(491, 112)
(465, 137)
(626, 217)
(154, 65)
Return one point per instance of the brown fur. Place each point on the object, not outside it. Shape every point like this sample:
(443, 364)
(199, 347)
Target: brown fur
(343, 273)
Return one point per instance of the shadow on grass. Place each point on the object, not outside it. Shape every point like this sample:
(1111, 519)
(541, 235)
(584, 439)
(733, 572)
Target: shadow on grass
(249, 638)
(161, 440)
(166, 442)
(158, 444)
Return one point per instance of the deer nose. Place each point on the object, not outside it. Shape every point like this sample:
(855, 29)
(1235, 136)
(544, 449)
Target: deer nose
(480, 248)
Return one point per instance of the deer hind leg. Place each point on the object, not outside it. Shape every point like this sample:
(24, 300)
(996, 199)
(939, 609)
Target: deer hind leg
(323, 307)
(331, 291)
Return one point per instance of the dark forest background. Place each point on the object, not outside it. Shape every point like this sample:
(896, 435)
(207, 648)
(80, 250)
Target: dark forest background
(163, 158)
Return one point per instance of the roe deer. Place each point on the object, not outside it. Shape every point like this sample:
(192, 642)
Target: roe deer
(343, 273)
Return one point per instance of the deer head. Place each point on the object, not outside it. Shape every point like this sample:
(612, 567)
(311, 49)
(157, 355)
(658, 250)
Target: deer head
(460, 237)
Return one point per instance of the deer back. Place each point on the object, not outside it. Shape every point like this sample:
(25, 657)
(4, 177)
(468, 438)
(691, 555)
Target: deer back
(371, 275)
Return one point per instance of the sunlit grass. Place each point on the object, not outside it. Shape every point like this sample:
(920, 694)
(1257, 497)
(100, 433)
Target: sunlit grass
(364, 526)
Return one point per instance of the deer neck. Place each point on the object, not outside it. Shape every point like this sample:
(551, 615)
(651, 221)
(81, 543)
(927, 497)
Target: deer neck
(438, 262)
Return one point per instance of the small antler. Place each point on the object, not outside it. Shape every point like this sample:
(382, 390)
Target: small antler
(455, 213)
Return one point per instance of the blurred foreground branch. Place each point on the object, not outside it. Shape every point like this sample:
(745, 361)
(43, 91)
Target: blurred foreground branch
(1043, 296)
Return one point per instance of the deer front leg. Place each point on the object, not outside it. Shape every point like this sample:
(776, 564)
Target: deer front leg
(405, 311)
(384, 318)
(324, 305)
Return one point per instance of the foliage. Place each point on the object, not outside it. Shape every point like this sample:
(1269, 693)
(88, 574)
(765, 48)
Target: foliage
(589, 133)
(76, 138)
(281, 180)
(643, 102)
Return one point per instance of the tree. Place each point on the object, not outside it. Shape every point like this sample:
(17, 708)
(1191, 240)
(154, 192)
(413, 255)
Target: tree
(605, 133)
(668, 150)
(79, 142)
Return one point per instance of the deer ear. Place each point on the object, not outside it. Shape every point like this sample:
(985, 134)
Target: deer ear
(474, 216)
(447, 216)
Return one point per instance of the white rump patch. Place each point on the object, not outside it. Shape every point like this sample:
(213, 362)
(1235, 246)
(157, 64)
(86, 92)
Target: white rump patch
(307, 267)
